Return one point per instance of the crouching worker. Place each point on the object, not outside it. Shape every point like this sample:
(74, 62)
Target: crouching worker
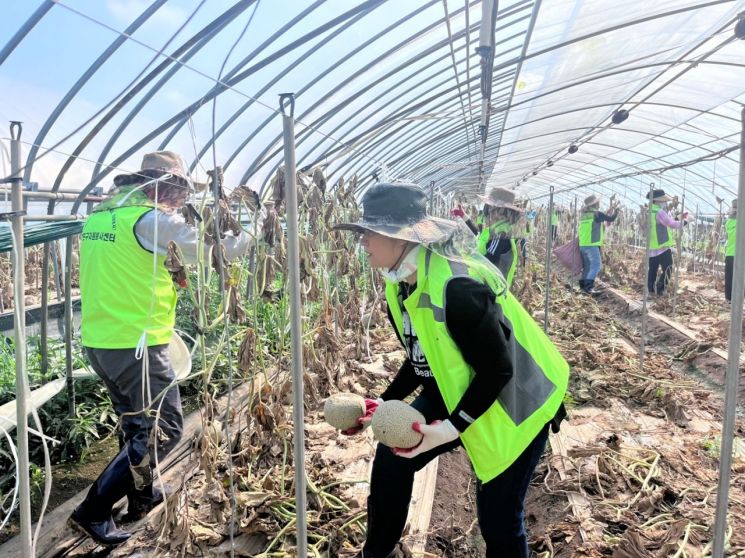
(128, 315)
(490, 378)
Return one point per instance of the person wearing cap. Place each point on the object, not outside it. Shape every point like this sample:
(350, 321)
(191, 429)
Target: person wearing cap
(128, 315)
(661, 241)
(591, 239)
(495, 239)
(730, 227)
(489, 378)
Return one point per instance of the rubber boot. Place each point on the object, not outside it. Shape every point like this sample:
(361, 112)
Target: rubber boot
(582, 284)
(93, 515)
(141, 502)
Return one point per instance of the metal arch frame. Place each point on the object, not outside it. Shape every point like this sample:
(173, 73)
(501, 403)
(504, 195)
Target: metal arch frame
(277, 34)
(523, 53)
(605, 30)
(514, 10)
(598, 178)
(237, 114)
(417, 131)
(25, 29)
(413, 134)
(391, 89)
(300, 139)
(637, 163)
(177, 67)
(265, 157)
(118, 41)
(599, 127)
(653, 137)
(219, 88)
(187, 49)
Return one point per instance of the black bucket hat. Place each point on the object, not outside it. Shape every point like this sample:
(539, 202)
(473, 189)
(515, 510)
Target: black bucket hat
(659, 196)
(400, 211)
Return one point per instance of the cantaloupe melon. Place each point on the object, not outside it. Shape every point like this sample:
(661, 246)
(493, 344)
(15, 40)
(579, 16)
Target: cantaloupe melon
(342, 410)
(391, 424)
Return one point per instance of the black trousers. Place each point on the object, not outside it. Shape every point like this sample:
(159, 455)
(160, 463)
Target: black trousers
(729, 269)
(500, 502)
(663, 262)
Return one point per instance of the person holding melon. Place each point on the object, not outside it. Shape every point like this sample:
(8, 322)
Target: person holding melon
(490, 379)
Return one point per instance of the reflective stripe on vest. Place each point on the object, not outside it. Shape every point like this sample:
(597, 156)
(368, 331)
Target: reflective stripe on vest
(591, 233)
(660, 236)
(120, 296)
(540, 374)
(507, 262)
(730, 225)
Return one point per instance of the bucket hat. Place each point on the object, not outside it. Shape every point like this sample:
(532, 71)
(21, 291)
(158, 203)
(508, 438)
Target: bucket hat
(659, 196)
(156, 164)
(400, 211)
(501, 197)
(591, 201)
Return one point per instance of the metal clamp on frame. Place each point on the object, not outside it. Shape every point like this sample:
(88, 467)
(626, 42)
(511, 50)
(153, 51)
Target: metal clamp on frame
(284, 99)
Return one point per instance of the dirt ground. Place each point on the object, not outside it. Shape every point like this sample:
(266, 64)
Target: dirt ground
(67, 480)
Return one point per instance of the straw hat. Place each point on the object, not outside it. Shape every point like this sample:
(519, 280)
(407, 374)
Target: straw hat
(591, 201)
(400, 211)
(501, 197)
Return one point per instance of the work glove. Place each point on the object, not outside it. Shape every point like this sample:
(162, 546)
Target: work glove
(457, 212)
(364, 421)
(434, 434)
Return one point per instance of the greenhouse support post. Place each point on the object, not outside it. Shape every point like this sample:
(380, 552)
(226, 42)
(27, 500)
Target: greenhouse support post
(650, 224)
(24, 485)
(548, 258)
(679, 247)
(287, 100)
(68, 329)
(733, 367)
(43, 333)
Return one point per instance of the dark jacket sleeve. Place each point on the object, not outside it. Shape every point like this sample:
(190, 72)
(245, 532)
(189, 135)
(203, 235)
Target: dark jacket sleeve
(405, 381)
(474, 228)
(472, 318)
(600, 216)
(403, 384)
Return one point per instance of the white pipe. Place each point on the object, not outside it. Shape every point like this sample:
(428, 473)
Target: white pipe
(24, 484)
(296, 326)
(733, 368)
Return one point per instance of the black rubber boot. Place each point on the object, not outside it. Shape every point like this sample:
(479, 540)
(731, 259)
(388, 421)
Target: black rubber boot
(141, 502)
(582, 284)
(93, 515)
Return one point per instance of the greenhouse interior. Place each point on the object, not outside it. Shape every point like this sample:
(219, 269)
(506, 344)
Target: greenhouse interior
(473, 286)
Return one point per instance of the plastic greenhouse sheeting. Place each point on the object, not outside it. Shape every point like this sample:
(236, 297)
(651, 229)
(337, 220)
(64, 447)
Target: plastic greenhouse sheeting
(36, 234)
(384, 89)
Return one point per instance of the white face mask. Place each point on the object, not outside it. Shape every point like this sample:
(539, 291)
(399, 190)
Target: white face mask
(406, 268)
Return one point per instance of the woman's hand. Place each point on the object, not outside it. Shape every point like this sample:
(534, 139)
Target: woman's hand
(434, 434)
(364, 421)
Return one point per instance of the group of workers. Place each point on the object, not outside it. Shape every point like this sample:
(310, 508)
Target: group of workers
(487, 377)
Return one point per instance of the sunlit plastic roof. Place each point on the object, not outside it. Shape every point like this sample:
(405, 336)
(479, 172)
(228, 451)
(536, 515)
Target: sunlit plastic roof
(384, 89)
